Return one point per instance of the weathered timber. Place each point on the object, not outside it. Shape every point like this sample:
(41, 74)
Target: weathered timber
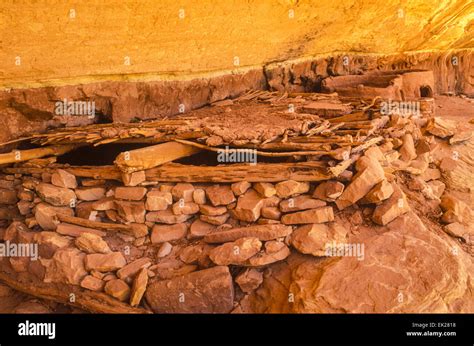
(262, 153)
(93, 224)
(153, 156)
(29, 154)
(262, 172)
(173, 172)
(94, 172)
(60, 293)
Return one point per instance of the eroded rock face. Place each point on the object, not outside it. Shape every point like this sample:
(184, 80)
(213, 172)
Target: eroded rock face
(205, 291)
(398, 286)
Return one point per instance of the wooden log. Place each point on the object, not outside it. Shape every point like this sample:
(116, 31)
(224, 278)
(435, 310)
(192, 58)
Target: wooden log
(261, 153)
(84, 299)
(356, 116)
(262, 172)
(153, 156)
(29, 154)
(173, 172)
(94, 172)
(94, 224)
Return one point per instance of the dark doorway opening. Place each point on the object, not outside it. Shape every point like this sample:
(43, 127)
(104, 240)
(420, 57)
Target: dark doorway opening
(425, 91)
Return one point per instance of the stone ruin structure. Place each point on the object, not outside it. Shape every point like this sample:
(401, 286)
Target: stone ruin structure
(166, 227)
(307, 184)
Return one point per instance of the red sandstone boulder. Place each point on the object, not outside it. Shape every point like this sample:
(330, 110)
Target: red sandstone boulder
(164, 233)
(205, 291)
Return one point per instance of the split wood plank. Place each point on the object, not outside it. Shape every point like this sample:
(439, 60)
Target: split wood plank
(94, 224)
(93, 172)
(262, 172)
(173, 172)
(153, 156)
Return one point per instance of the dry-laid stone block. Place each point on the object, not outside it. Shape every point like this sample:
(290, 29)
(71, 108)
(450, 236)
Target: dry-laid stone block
(318, 215)
(131, 211)
(166, 233)
(57, 196)
(199, 196)
(215, 220)
(391, 208)
(379, 193)
(300, 203)
(328, 190)
(118, 289)
(105, 262)
(166, 216)
(63, 178)
(407, 150)
(186, 208)
(441, 127)
(134, 178)
(200, 228)
(182, 191)
(107, 203)
(130, 193)
(8, 196)
(92, 243)
(249, 206)
(271, 213)
(139, 287)
(370, 173)
(205, 291)
(265, 189)
(220, 195)
(158, 200)
(92, 283)
(212, 211)
(236, 252)
(291, 188)
(66, 266)
(90, 193)
(76, 231)
(249, 280)
(240, 187)
(127, 272)
(164, 250)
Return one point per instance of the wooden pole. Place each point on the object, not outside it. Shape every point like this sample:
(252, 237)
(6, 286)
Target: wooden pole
(29, 154)
(153, 156)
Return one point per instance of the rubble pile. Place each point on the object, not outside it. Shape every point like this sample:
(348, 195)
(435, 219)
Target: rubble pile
(129, 238)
